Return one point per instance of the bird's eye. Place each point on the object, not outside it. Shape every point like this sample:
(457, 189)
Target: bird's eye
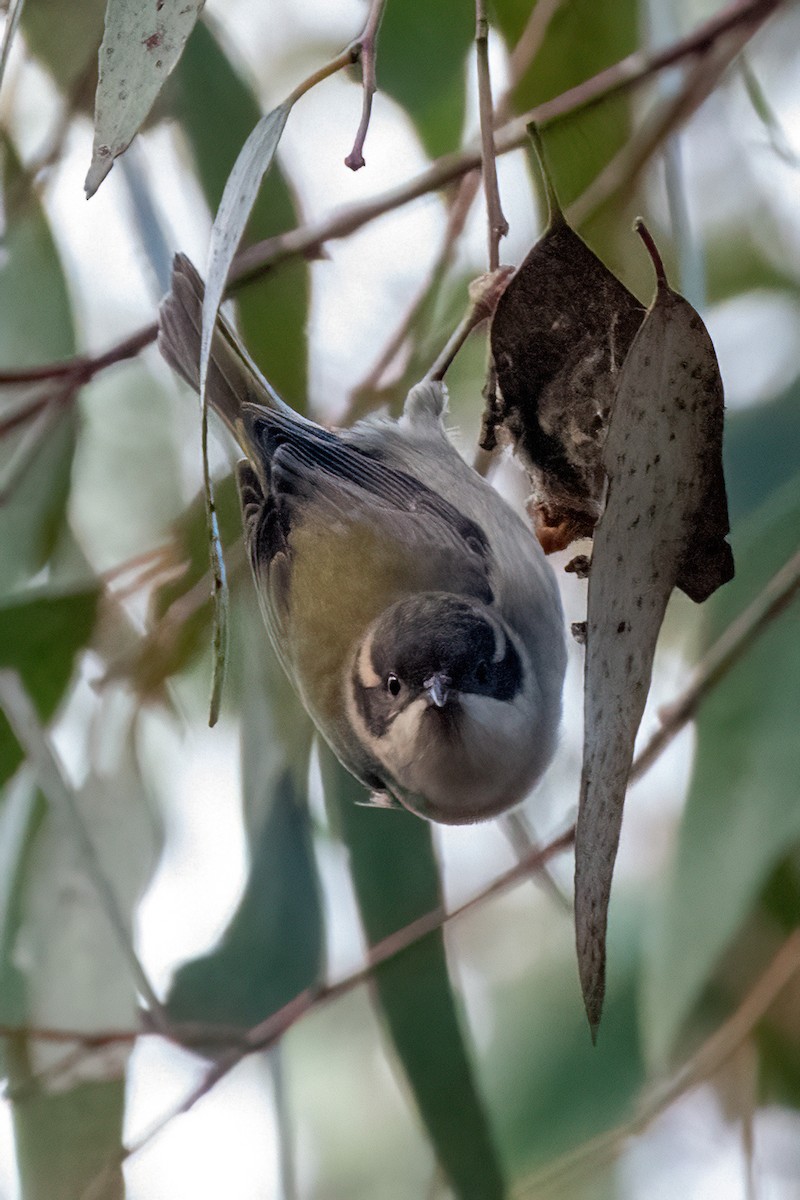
(482, 672)
(393, 685)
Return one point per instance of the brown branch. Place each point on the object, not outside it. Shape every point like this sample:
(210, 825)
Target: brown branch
(367, 52)
(712, 1055)
(629, 72)
(623, 171)
(307, 240)
(497, 223)
(275, 1026)
(82, 368)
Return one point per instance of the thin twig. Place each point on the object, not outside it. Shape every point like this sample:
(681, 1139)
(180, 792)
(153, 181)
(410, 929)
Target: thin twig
(367, 46)
(306, 240)
(24, 720)
(524, 52)
(275, 1026)
(714, 1052)
(484, 293)
(624, 169)
(497, 223)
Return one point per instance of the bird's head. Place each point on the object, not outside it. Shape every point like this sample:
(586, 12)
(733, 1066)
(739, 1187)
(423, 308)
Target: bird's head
(441, 695)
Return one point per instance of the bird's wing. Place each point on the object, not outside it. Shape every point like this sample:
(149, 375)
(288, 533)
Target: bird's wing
(390, 518)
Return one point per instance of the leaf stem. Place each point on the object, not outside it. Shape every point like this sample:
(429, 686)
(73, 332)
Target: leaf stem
(366, 45)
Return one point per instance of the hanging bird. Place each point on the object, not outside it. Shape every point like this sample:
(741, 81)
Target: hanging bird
(412, 609)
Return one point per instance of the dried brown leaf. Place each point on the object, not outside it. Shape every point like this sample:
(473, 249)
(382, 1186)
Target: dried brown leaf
(560, 334)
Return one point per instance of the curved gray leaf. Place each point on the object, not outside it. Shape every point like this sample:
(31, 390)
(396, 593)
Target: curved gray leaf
(142, 42)
(663, 526)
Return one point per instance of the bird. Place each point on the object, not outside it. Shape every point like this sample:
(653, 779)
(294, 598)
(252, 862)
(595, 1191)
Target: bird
(410, 606)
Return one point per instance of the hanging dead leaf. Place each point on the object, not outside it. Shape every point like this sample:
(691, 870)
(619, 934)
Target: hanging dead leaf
(560, 334)
(664, 525)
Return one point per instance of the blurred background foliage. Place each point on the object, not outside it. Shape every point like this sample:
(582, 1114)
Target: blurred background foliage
(247, 873)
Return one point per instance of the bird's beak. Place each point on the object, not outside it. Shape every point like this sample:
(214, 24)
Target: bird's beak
(438, 688)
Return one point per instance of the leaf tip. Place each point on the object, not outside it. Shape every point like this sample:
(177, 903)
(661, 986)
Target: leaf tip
(102, 162)
(555, 216)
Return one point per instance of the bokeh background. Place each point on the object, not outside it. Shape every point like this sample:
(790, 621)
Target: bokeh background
(238, 856)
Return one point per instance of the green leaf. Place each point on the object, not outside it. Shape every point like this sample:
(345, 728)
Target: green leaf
(582, 39)
(396, 880)
(128, 456)
(562, 1090)
(760, 450)
(422, 52)
(217, 110)
(40, 635)
(64, 1140)
(67, 1105)
(742, 814)
(35, 327)
(67, 49)
(273, 947)
(142, 42)
(21, 814)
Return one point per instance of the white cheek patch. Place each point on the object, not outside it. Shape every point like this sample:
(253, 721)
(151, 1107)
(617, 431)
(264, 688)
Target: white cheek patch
(400, 749)
(499, 644)
(364, 667)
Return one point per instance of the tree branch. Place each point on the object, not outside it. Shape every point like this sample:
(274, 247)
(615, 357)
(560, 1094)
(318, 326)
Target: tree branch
(497, 223)
(274, 1027)
(307, 240)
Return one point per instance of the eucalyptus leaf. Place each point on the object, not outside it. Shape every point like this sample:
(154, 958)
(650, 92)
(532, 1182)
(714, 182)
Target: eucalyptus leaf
(664, 526)
(40, 635)
(559, 337)
(68, 1106)
(35, 327)
(252, 164)
(396, 880)
(65, 1140)
(141, 44)
(436, 38)
(217, 108)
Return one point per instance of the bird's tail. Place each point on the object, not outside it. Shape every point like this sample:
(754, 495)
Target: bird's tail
(233, 378)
